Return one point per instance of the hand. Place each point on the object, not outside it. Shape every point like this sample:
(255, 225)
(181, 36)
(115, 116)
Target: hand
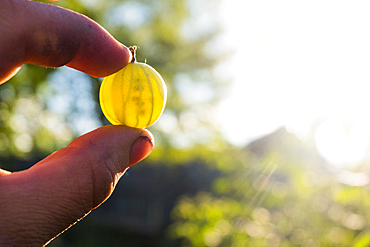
(39, 203)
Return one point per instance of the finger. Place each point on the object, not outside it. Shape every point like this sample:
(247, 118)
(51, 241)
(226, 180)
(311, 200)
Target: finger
(4, 173)
(38, 203)
(47, 35)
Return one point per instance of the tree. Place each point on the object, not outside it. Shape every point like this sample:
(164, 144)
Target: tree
(275, 195)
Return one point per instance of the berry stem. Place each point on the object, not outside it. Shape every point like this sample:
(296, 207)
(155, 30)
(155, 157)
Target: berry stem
(133, 52)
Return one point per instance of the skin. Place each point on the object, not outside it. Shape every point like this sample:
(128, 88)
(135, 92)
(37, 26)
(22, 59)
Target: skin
(46, 35)
(39, 203)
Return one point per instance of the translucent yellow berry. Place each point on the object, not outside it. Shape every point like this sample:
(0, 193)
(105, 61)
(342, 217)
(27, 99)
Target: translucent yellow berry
(134, 96)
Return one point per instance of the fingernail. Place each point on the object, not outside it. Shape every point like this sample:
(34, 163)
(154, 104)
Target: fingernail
(142, 147)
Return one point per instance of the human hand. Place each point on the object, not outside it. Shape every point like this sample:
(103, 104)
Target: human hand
(39, 203)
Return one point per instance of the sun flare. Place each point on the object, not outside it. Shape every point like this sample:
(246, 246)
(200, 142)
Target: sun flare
(343, 141)
(296, 64)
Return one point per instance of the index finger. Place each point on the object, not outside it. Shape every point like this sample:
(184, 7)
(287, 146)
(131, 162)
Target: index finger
(51, 36)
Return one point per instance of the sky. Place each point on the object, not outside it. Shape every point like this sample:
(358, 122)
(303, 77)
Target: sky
(295, 64)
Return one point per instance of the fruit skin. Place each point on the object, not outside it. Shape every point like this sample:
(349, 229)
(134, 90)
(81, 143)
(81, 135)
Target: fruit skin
(134, 96)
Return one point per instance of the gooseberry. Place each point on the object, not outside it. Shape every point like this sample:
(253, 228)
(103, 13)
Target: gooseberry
(135, 96)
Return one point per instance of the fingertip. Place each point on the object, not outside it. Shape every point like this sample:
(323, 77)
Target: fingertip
(101, 59)
(53, 36)
(129, 145)
(141, 148)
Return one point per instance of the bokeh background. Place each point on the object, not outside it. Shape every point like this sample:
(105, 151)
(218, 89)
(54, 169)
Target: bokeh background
(264, 140)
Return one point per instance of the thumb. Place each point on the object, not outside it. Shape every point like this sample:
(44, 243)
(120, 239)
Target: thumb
(39, 203)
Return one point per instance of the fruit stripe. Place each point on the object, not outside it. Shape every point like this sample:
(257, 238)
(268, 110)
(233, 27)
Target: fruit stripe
(125, 118)
(118, 88)
(151, 91)
(161, 89)
(108, 84)
(140, 100)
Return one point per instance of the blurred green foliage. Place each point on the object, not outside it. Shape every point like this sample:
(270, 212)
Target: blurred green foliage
(277, 199)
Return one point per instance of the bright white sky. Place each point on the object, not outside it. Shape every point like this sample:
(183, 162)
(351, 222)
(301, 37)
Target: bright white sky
(297, 62)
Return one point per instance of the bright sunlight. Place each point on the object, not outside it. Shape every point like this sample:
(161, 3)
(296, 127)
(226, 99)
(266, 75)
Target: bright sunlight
(303, 65)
